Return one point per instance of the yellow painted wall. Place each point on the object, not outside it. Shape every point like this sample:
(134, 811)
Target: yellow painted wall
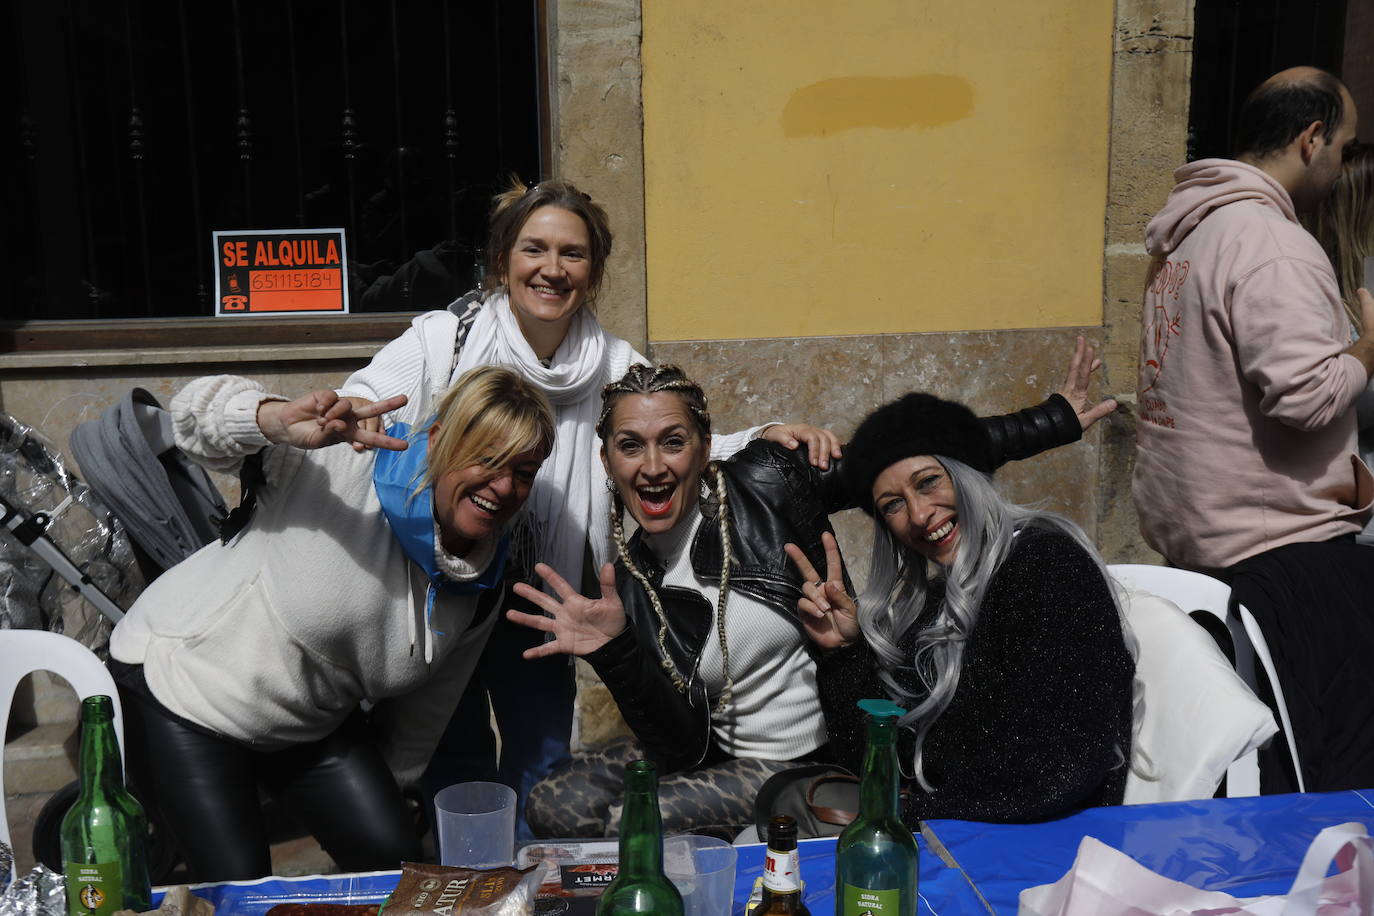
(815, 167)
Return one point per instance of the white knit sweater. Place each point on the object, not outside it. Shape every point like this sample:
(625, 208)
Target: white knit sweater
(276, 637)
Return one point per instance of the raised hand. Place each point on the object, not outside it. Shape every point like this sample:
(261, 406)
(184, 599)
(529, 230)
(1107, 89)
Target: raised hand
(322, 418)
(828, 613)
(1082, 364)
(821, 444)
(580, 625)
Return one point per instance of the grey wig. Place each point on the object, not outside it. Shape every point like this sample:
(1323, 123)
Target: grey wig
(898, 586)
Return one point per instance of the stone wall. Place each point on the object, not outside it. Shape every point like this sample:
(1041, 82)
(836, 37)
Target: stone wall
(1151, 82)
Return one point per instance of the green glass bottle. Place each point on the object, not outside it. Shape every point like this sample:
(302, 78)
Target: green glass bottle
(875, 857)
(104, 834)
(640, 885)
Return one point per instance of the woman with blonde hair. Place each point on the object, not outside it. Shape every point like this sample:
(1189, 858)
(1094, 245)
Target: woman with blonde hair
(361, 578)
(1345, 227)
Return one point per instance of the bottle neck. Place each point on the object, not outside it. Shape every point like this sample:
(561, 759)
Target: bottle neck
(878, 783)
(101, 767)
(641, 825)
(781, 871)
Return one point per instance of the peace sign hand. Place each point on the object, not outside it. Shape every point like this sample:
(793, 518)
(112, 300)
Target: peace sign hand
(322, 418)
(579, 625)
(828, 613)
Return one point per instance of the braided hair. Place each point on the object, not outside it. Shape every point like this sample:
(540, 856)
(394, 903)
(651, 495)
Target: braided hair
(640, 379)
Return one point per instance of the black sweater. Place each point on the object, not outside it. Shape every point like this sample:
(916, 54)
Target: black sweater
(1040, 723)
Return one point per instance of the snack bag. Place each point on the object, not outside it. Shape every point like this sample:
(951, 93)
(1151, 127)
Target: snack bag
(439, 890)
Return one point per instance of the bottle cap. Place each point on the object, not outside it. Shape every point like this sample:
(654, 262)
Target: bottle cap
(882, 709)
(783, 825)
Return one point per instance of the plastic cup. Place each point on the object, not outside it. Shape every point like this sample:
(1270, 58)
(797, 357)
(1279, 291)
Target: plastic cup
(476, 824)
(703, 870)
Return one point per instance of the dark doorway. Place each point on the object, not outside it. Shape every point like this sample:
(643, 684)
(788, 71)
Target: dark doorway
(1239, 43)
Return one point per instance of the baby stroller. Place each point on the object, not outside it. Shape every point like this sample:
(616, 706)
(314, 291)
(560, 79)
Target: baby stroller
(74, 555)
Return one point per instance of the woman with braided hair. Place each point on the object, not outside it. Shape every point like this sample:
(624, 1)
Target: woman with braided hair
(696, 632)
(547, 250)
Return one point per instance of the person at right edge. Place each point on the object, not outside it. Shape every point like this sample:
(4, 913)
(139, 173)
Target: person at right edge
(1246, 464)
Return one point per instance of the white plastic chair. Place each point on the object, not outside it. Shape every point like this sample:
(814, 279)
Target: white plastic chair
(1195, 592)
(26, 651)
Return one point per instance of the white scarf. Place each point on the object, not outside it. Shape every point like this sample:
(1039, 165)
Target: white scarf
(564, 496)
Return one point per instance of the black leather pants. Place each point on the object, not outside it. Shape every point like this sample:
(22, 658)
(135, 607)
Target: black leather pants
(208, 789)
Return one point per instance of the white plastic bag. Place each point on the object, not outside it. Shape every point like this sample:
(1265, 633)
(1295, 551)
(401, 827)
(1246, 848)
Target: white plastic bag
(1105, 882)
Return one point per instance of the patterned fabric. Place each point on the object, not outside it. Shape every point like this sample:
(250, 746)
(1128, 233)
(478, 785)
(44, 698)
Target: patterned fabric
(584, 798)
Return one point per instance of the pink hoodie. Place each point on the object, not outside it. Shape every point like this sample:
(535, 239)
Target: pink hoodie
(1246, 436)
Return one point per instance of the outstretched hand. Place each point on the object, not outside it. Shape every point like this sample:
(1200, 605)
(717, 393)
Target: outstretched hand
(828, 613)
(579, 625)
(1082, 364)
(821, 444)
(322, 418)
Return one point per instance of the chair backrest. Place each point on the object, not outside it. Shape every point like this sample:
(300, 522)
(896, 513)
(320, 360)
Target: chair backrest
(1199, 720)
(25, 651)
(1195, 592)
(1189, 590)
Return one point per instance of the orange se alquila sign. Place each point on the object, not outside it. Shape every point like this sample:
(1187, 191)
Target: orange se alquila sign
(276, 271)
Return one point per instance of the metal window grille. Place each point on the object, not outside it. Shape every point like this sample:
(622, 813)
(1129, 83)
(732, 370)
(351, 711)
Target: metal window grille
(139, 126)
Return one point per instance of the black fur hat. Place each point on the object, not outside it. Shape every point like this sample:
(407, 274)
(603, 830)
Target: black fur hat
(914, 424)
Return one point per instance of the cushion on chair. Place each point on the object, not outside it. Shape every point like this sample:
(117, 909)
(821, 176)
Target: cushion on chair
(1198, 715)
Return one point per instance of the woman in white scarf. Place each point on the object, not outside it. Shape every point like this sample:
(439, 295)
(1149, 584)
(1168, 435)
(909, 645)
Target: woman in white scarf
(546, 257)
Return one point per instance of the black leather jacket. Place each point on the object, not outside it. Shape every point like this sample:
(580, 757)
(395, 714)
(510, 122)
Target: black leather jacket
(775, 497)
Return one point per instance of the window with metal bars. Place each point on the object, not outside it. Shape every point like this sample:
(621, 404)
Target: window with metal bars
(138, 128)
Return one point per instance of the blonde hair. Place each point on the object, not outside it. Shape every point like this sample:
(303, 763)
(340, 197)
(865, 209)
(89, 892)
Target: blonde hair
(510, 210)
(490, 415)
(1345, 225)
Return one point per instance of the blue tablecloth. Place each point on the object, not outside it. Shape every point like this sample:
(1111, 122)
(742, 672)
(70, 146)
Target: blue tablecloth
(1246, 846)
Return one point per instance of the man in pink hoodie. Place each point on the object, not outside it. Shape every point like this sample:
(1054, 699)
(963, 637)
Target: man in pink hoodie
(1246, 463)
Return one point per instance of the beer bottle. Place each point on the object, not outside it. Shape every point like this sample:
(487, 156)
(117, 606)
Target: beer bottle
(782, 893)
(640, 885)
(875, 857)
(103, 835)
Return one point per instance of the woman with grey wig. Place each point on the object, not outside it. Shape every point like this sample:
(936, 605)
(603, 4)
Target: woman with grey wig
(993, 624)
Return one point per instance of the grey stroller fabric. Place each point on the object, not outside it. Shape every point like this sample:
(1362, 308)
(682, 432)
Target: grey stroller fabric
(166, 502)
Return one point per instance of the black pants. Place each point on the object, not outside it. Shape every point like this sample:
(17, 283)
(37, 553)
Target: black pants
(1315, 606)
(208, 790)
